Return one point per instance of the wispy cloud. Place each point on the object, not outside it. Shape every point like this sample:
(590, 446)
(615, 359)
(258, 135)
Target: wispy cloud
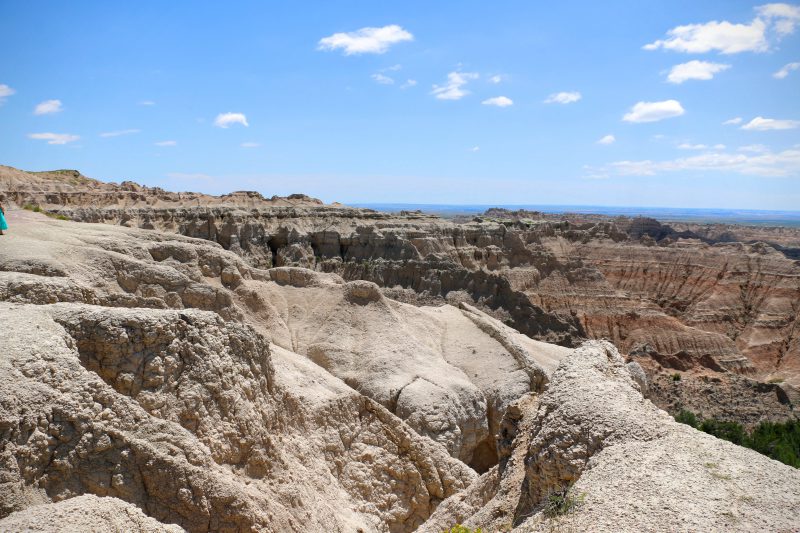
(382, 79)
(453, 89)
(147, 103)
(732, 121)
(754, 148)
(54, 138)
(225, 120)
(475, 149)
(690, 146)
(167, 143)
(250, 144)
(695, 70)
(118, 133)
(5, 92)
(497, 78)
(765, 124)
(498, 101)
(408, 84)
(563, 97)
(772, 22)
(787, 68)
(766, 164)
(47, 107)
(366, 40)
(654, 111)
(607, 139)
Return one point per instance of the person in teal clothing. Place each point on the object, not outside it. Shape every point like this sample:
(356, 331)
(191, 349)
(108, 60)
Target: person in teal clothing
(3, 223)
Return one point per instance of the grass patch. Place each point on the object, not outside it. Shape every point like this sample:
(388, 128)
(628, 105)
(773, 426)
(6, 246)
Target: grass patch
(38, 209)
(777, 440)
(562, 502)
(458, 528)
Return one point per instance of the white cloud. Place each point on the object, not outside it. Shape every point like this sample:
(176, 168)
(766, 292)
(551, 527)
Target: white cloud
(497, 78)
(754, 148)
(789, 67)
(54, 138)
(695, 70)
(47, 107)
(366, 40)
(772, 20)
(250, 145)
(225, 120)
(393, 68)
(167, 143)
(764, 124)
(732, 121)
(689, 146)
(654, 111)
(768, 164)
(475, 149)
(408, 83)
(147, 102)
(563, 98)
(5, 92)
(499, 101)
(453, 89)
(784, 17)
(382, 79)
(607, 139)
(118, 133)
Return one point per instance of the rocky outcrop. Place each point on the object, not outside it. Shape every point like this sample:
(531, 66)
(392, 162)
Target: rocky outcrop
(187, 418)
(593, 454)
(696, 300)
(85, 513)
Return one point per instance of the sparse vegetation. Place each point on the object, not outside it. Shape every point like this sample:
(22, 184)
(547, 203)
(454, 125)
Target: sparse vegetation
(676, 377)
(562, 502)
(779, 441)
(38, 209)
(458, 528)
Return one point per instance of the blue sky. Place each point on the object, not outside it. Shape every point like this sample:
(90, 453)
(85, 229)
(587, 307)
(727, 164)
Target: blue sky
(420, 102)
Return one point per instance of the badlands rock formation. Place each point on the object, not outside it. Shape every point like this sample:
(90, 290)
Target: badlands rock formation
(164, 371)
(722, 314)
(625, 464)
(282, 365)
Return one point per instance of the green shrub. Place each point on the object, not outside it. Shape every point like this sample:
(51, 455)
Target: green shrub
(561, 502)
(687, 417)
(779, 441)
(676, 377)
(458, 528)
(730, 431)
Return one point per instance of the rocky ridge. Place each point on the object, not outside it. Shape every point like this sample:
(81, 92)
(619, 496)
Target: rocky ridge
(284, 387)
(637, 282)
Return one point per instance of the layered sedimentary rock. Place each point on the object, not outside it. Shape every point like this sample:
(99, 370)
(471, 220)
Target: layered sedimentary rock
(282, 365)
(679, 296)
(591, 454)
(166, 372)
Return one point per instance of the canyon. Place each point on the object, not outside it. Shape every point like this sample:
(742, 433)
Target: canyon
(238, 363)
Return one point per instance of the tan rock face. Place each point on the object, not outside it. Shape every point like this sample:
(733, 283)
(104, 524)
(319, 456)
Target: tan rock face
(280, 365)
(85, 513)
(627, 465)
(553, 280)
(166, 372)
